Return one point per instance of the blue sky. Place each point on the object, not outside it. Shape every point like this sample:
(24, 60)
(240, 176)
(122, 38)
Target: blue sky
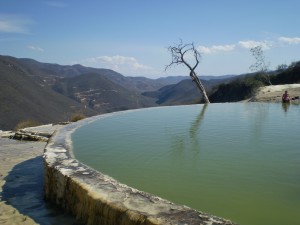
(132, 36)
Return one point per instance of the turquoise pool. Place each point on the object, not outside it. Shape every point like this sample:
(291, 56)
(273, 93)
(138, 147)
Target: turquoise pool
(240, 161)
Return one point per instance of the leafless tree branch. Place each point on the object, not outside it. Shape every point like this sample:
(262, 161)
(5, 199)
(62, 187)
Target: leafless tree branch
(180, 55)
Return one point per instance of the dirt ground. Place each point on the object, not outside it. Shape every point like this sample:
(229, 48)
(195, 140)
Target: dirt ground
(274, 93)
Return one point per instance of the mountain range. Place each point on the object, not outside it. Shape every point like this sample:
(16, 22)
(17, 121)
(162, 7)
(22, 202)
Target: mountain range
(50, 93)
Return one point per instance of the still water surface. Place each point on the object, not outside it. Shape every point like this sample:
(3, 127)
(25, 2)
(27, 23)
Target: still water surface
(238, 161)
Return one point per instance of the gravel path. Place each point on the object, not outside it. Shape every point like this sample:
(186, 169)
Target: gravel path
(22, 184)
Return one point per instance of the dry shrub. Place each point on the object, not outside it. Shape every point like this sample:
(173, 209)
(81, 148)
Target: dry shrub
(27, 123)
(77, 116)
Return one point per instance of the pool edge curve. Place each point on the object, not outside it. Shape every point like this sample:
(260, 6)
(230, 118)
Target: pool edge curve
(95, 198)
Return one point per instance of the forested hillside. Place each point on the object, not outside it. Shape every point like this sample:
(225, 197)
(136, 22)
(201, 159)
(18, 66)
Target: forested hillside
(244, 87)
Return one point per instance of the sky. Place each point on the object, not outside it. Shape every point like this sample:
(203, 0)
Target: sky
(132, 36)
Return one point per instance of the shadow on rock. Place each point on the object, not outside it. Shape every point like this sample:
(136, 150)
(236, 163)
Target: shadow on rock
(24, 190)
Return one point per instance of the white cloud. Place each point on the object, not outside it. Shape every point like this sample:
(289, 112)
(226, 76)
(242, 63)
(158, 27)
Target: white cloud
(216, 48)
(294, 40)
(224, 48)
(14, 24)
(35, 48)
(232, 47)
(204, 49)
(251, 44)
(121, 64)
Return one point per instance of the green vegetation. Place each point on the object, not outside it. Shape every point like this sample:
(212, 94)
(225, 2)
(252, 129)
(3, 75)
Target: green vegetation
(237, 90)
(290, 75)
(244, 87)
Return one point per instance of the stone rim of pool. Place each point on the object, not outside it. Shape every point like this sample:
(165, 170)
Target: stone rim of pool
(96, 198)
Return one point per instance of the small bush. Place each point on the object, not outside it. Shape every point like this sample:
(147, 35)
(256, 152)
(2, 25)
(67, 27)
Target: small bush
(27, 123)
(77, 116)
(237, 90)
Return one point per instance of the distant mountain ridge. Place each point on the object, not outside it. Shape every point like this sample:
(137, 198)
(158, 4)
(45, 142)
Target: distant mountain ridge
(51, 93)
(21, 98)
(184, 92)
(98, 92)
(54, 70)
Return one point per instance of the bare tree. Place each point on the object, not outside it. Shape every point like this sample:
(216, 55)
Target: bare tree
(260, 66)
(180, 55)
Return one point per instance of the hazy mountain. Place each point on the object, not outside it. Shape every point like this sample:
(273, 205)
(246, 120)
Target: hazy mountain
(172, 79)
(48, 92)
(223, 77)
(49, 73)
(21, 98)
(184, 92)
(100, 93)
(176, 79)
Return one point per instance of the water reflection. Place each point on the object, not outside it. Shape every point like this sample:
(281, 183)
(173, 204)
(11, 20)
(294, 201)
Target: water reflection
(194, 138)
(196, 124)
(285, 106)
(182, 141)
(257, 114)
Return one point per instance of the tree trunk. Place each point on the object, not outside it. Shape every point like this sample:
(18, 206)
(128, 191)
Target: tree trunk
(199, 85)
(178, 57)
